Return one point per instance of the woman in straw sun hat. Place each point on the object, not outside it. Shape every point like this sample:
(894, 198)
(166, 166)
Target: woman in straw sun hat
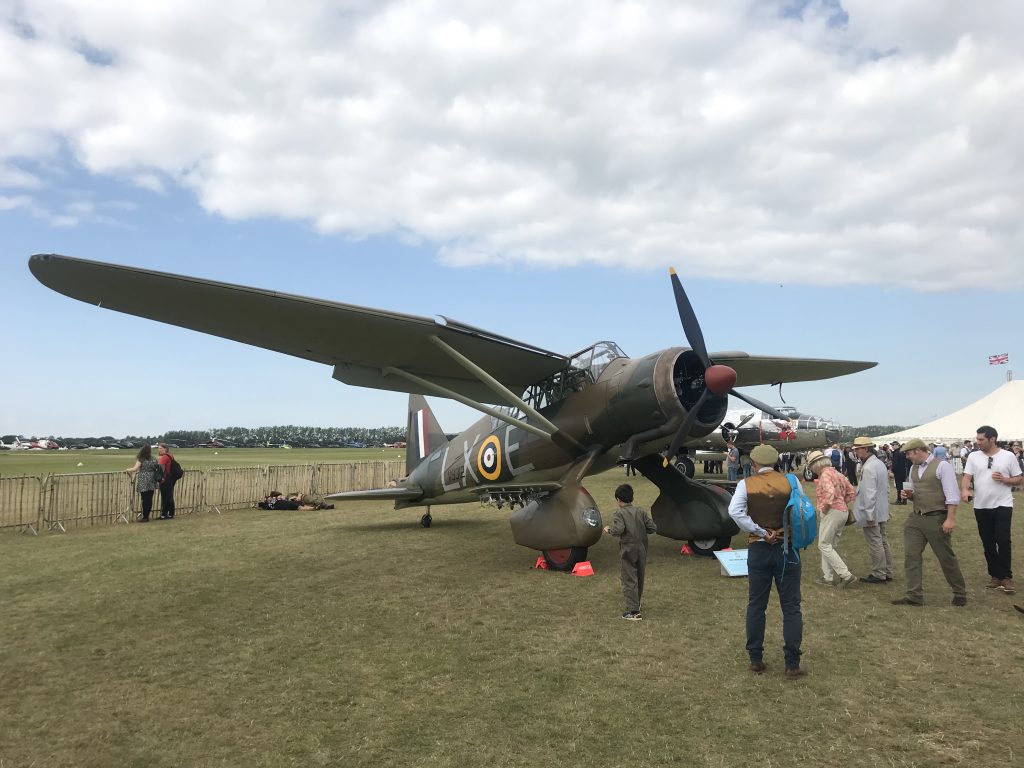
(834, 494)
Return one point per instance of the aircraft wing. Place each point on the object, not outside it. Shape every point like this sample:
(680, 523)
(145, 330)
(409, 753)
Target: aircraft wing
(359, 342)
(752, 370)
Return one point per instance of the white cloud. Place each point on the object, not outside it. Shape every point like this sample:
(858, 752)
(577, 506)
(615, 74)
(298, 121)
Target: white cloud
(731, 137)
(11, 203)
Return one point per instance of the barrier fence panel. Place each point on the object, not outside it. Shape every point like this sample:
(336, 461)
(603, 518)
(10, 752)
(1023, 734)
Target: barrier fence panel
(288, 478)
(236, 487)
(331, 478)
(20, 503)
(76, 501)
(360, 476)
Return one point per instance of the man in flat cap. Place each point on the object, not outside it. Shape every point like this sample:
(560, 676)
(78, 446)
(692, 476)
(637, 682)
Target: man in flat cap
(931, 486)
(758, 507)
(871, 510)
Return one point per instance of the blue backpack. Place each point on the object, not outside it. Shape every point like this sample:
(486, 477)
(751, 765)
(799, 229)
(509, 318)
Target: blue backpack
(800, 520)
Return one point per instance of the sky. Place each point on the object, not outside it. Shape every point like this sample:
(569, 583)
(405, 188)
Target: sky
(829, 180)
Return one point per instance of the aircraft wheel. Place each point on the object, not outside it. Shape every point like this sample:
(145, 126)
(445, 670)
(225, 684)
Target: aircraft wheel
(426, 520)
(708, 547)
(808, 475)
(685, 466)
(564, 559)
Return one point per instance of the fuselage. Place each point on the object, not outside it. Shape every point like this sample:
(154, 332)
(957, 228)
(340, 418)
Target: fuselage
(601, 403)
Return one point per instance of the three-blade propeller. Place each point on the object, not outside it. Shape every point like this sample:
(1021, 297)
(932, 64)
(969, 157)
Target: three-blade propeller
(718, 379)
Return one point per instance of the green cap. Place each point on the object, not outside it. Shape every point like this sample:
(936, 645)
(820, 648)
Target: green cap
(913, 443)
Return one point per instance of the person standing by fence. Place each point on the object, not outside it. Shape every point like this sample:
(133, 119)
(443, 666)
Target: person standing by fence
(166, 482)
(146, 471)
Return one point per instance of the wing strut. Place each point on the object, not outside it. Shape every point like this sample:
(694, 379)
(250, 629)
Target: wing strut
(494, 385)
(445, 392)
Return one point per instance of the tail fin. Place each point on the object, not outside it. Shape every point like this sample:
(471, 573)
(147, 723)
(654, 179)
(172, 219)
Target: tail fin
(423, 435)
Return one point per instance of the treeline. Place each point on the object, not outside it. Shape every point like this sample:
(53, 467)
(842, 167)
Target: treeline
(242, 437)
(297, 437)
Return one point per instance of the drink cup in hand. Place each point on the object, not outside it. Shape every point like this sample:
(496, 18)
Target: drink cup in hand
(906, 495)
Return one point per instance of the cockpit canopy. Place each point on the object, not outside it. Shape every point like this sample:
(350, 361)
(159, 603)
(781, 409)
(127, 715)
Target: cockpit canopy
(594, 359)
(585, 367)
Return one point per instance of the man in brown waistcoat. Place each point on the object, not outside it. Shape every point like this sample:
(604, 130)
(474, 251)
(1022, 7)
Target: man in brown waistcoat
(931, 486)
(757, 507)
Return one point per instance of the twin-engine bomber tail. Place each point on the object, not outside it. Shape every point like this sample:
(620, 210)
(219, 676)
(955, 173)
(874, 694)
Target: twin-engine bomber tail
(423, 433)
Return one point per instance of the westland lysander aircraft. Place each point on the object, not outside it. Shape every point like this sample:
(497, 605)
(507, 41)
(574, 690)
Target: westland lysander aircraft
(559, 418)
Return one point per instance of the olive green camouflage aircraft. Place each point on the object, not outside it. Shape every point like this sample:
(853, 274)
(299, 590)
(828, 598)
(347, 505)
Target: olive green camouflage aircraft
(549, 419)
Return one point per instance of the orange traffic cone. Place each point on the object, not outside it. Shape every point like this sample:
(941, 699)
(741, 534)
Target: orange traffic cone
(583, 569)
(541, 563)
(685, 550)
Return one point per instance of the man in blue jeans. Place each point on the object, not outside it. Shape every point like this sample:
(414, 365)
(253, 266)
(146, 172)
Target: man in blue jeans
(732, 461)
(758, 507)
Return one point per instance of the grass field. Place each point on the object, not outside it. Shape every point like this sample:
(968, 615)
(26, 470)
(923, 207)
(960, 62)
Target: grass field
(60, 462)
(356, 638)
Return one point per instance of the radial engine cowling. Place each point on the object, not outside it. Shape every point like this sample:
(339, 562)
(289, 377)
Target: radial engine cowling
(651, 396)
(568, 518)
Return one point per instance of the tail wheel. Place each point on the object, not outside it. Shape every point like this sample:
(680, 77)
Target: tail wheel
(708, 547)
(426, 520)
(564, 559)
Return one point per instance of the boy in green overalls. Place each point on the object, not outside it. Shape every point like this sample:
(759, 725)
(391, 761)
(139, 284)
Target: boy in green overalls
(631, 524)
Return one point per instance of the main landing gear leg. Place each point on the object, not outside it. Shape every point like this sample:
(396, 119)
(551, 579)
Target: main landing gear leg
(426, 520)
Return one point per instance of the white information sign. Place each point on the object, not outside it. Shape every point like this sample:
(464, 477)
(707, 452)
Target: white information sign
(733, 562)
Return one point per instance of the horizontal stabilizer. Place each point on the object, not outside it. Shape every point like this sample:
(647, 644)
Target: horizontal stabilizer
(379, 494)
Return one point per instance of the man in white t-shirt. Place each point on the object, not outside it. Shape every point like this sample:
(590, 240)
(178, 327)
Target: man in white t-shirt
(994, 472)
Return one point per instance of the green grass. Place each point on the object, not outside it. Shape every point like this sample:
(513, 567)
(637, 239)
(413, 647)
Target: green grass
(356, 638)
(13, 463)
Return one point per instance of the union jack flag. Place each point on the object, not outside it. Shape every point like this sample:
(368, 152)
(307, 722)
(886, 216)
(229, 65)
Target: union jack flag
(999, 359)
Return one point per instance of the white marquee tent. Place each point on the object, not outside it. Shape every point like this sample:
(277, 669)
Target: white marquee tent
(1002, 409)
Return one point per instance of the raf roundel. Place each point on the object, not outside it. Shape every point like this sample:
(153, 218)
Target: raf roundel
(488, 459)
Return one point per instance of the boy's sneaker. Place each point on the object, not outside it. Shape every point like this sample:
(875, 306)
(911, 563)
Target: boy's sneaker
(1007, 586)
(632, 616)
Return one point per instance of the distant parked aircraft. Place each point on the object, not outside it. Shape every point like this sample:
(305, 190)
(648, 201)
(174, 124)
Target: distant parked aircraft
(19, 443)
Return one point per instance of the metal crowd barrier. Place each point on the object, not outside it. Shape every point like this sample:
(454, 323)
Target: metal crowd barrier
(20, 503)
(238, 487)
(79, 501)
(61, 502)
